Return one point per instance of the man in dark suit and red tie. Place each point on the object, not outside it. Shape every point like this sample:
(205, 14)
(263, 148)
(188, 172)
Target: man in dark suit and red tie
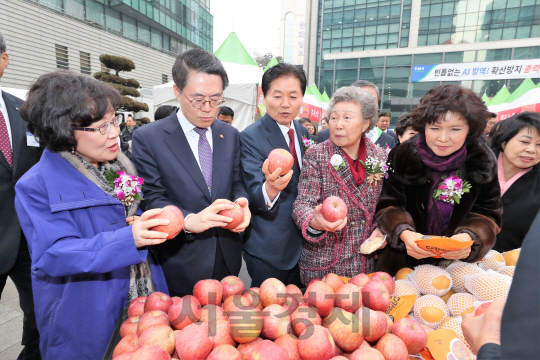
(18, 153)
(192, 161)
(273, 242)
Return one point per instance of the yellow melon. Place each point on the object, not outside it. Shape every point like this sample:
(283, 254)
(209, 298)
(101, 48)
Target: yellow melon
(405, 287)
(446, 296)
(461, 304)
(403, 273)
(492, 261)
(430, 310)
(458, 271)
(488, 286)
(431, 314)
(431, 280)
(511, 257)
(507, 270)
(454, 324)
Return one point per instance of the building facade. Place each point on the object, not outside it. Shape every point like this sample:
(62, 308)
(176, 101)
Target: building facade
(47, 35)
(382, 41)
(292, 31)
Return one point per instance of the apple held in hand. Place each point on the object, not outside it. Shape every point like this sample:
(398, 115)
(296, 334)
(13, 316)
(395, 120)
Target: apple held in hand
(176, 221)
(333, 209)
(280, 158)
(236, 214)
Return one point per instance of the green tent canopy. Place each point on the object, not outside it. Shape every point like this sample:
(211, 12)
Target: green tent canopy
(232, 51)
(273, 61)
(525, 86)
(538, 86)
(317, 93)
(485, 99)
(500, 97)
(308, 91)
(326, 97)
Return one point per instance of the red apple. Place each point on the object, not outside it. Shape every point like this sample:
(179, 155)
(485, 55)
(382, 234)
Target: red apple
(276, 322)
(311, 282)
(245, 325)
(124, 356)
(345, 328)
(374, 324)
(333, 209)
(386, 279)
(321, 296)
(239, 302)
(193, 342)
(220, 333)
(232, 285)
(129, 326)
(290, 344)
(236, 214)
(161, 335)
(360, 280)
(252, 298)
(151, 318)
(375, 296)
(247, 348)
(348, 297)
(208, 292)
(150, 352)
(482, 309)
(157, 301)
(224, 352)
(185, 312)
(176, 221)
(392, 347)
(412, 333)
(212, 313)
(136, 306)
(175, 300)
(267, 350)
(272, 291)
(333, 280)
(280, 158)
(390, 323)
(294, 290)
(304, 316)
(316, 343)
(130, 343)
(366, 353)
(339, 357)
(291, 304)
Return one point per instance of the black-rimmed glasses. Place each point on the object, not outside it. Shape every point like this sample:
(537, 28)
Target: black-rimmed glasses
(105, 127)
(199, 103)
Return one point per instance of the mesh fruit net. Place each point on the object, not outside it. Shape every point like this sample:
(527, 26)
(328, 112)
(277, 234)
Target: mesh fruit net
(405, 287)
(444, 264)
(460, 302)
(430, 301)
(431, 280)
(454, 324)
(488, 286)
(507, 270)
(458, 271)
(492, 261)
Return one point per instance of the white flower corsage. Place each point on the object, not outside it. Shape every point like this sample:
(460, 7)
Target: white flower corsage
(307, 144)
(376, 168)
(337, 161)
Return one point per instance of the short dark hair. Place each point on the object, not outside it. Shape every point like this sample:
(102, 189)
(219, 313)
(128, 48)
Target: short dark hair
(197, 60)
(325, 119)
(492, 114)
(130, 116)
(362, 83)
(227, 111)
(404, 121)
(304, 120)
(283, 69)
(441, 99)
(163, 111)
(3, 46)
(60, 100)
(505, 130)
(384, 113)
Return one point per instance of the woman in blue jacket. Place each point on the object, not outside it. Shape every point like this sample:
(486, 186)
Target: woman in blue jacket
(89, 251)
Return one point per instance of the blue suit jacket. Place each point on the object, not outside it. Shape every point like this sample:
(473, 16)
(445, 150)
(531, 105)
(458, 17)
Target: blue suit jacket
(272, 236)
(163, 158)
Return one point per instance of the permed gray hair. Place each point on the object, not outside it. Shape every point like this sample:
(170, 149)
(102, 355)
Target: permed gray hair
(362, 83)
(2, 42)
(361, 97)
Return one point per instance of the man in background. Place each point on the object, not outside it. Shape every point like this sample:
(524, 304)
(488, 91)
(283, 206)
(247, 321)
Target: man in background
(305, 122)
(492, 120)
(127, 133)
(226, 114)
(384, 123)
(163, 111)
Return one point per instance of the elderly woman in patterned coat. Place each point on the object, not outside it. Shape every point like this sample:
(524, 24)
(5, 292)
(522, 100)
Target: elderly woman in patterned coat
(337, 167)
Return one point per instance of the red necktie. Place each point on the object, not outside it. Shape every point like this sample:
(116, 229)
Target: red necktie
(5, 145)
(292, 148)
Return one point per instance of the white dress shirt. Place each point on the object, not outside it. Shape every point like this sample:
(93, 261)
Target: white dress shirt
(3, 109)
(285, 131)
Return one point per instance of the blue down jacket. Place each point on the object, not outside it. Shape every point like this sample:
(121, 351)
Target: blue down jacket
(81, 253)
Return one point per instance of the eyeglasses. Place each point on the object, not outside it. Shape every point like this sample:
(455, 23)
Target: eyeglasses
(105, 127)
(199, 103)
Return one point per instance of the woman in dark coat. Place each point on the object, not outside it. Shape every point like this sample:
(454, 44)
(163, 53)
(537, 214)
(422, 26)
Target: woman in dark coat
(516, 143)
(449, 120)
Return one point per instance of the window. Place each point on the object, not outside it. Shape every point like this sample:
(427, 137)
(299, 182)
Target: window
(288, 41)
(85, 63)
(61, 57)
(164, 78)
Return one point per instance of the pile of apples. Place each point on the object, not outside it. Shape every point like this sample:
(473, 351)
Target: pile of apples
(222, 320)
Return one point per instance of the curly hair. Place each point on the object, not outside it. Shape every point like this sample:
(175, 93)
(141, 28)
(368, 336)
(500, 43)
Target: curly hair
(403, 122)
(61, 100)
(442, 99)
(361, 97)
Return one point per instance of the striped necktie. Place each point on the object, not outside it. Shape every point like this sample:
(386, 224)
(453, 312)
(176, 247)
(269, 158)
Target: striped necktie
(205, 157)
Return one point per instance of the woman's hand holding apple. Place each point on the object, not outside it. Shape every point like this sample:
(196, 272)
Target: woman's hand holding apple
(142, 235)
(319, 223)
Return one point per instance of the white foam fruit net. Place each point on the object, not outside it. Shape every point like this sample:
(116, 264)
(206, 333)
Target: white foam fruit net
(405, 287)
(454, 324)
(507, 270)
(430, 301)
(425, 277)
(488, 286)
(460, 302)
(458, 271)
(492, 261)
(444, 264)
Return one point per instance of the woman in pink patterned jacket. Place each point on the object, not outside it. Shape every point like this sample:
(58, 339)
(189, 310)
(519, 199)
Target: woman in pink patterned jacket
(337, 167)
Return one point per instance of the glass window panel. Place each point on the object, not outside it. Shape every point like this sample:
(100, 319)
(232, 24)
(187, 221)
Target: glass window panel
(144, 32)
(457, 37)
(374, 74)
(471, 19)
(382, 39)
(393, 28)
(336, 43)
(448, 8)
(436, 10)
(359, 31)
(398, 60)
(167, 42)
(337, 34)
(393, 38)
(445, 38)
(484, 18)
(327, 34)
(422, 40)
(433, 39)
(74, 8)
(527, 53)
(345, 77)
(337, 17)
(384, 12)
(527, 2)
(382, 29)
(495, 34)
(499, 4)
(486, 5)
(424, 24)
(446, 22)
(513, 4)
(523, 32)
(511, 15)
(347, 64)
(395, 11)
(404, 42)
(469, 36)
(424, 11)
(358, 41)
(129, 27)
(360, 15)
(461, 7)
(420, 89)
(371, 30)
(453, 57)
(346, 42)
(428, 59)
(509, 33)
(398, 74)
(95, 12)
(348, 32)
(435, 23)
(526, 13)
(348, 17)
(459, 20)
(326, 44)
(113, 19)
(371, 14)
(157, 38)
(369, 40)
(371, 62)
(328, 64)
